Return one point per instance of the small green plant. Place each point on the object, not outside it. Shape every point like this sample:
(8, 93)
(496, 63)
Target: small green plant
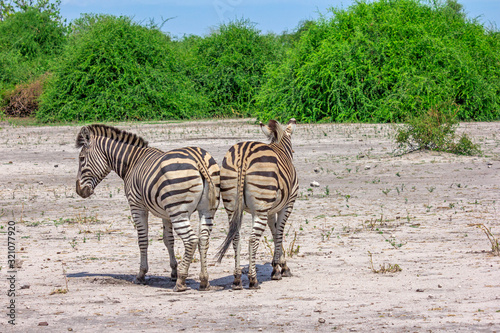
(326, 235)
(394, 243)
(386, 191)
(32, 224)
(435, 130)
(73, 243)
(327, 191)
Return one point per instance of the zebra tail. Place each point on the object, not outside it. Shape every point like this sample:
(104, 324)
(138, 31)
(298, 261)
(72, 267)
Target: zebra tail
(212, 192)
(235, 223)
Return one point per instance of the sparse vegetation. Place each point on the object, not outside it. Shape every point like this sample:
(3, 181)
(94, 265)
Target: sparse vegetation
(292, 249)
(62, 290)
(435, 130)
(495, 242)
(389, 268)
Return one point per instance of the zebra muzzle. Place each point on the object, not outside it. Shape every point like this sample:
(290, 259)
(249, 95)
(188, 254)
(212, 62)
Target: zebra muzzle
(85, 191)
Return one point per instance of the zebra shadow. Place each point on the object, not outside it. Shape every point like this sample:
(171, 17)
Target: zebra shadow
(156, 281)
(263, 275)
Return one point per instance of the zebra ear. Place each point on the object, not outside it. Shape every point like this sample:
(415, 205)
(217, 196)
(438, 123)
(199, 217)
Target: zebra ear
(291, 126)
(83, 138)
(267, 131)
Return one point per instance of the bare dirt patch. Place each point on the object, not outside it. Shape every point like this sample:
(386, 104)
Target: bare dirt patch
(77, 257)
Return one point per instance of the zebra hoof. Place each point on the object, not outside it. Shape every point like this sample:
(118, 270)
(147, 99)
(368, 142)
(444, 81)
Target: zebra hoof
(204, 286)
(237, 286)
(139, 280)
(286, 272)
(254, 285)
(276, 276)
(180, 288)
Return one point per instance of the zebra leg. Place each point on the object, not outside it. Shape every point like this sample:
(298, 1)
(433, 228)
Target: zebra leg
(279, 255)
(271, 222)
(168, 240)
(206, 217)
(237, 285)
(183, 229)
(258, 227)
(140, 218)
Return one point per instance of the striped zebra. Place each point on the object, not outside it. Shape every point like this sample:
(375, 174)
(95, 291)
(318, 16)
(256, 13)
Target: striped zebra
(260, 179)
(171, 185)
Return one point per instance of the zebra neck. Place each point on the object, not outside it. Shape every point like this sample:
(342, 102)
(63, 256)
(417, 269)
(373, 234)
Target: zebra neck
(122, 157)
(285, 148)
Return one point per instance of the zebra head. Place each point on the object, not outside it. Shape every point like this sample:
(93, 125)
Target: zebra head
(277, 134)
(92, 166)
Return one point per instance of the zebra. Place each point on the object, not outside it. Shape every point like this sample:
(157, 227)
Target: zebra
(171, 185)
(260, 179)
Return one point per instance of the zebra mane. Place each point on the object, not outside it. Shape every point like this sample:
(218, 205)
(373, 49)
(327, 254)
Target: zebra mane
(277, 130)
(110, 132)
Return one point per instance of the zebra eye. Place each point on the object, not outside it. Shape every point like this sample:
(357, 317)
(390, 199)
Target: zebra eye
(82, 158)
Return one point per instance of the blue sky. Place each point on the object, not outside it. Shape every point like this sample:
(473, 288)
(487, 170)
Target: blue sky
(198, 16)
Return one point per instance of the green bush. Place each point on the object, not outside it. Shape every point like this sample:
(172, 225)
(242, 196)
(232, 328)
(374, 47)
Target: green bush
(435, 130)
(230, 64)
(115, 69)
(29, 41)
(382, 61)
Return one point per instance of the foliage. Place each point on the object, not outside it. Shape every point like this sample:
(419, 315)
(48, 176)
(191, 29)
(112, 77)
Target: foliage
(230, 63)
(8, 8)
(29, 41)
(115, 69)
(381, 61)
(31, 33)
(435, 130)
(376, 61)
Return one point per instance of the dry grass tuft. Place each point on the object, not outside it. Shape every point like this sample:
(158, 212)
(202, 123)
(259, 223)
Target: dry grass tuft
(22, 101)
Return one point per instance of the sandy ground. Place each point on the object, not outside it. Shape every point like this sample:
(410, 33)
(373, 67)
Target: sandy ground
(77, 257)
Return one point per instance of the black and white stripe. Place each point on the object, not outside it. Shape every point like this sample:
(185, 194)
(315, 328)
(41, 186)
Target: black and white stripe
(260, 179)
(171, 185)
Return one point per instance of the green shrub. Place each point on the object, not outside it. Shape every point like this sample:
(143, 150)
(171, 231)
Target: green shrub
(29, 41)
(384, 60)
(435, 130)
(115, 69)
(230, 63)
